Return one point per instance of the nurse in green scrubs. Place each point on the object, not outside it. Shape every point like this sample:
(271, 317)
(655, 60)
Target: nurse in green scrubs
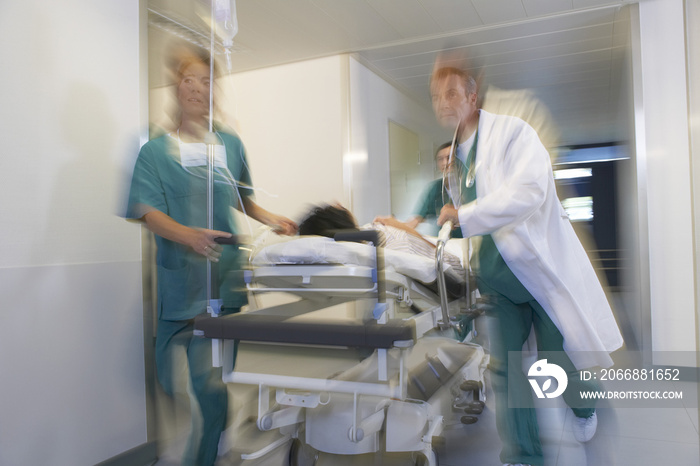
(434, 196)
(169, 194)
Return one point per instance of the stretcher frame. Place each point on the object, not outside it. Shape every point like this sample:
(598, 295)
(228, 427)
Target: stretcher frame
(297, 395)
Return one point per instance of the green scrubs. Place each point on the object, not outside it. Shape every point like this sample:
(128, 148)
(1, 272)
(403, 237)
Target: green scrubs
(160, 182)
(432, 200)
(515, 312)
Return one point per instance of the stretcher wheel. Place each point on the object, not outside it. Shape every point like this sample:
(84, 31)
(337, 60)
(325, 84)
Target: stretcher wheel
(423, 460)
(302, 454)
(470, 385)
(475, 407)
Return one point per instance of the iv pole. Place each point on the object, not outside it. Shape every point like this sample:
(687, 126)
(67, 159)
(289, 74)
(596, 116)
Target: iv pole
(214, 302)
(210, 140)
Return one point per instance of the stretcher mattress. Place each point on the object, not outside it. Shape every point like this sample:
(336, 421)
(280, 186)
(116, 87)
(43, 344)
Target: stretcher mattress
(320, 250)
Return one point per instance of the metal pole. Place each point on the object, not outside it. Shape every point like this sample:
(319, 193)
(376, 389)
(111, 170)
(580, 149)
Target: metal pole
(210, 152)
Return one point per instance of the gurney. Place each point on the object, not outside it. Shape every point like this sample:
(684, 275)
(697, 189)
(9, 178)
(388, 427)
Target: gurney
(417, 378)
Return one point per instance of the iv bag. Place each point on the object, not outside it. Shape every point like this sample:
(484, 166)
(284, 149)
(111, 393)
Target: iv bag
(223, 13)
(226, 20)
(224, 16)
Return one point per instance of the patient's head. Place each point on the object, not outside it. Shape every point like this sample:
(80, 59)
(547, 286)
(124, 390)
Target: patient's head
(322, 220)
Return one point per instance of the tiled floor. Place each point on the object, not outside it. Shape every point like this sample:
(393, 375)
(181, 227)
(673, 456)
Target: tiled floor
(625, 436)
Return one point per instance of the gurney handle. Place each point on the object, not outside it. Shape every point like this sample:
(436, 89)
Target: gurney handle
(445, 232)
(357, 236)
(223, 240)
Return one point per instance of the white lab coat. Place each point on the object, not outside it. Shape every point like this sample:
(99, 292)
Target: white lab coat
(517, 204)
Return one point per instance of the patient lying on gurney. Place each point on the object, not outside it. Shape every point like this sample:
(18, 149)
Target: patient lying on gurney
(323, 220)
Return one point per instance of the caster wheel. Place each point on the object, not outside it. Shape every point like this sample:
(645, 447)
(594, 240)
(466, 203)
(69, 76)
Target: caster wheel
(470, 385)
(422, 460)
(474, 407)
(301, 454)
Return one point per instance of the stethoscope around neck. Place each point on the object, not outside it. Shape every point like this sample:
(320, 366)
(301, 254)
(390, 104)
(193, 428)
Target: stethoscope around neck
(452, 181)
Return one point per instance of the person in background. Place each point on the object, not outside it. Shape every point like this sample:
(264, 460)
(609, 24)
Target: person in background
(435, 195)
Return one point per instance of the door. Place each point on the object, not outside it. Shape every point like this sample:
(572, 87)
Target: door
(404, 166)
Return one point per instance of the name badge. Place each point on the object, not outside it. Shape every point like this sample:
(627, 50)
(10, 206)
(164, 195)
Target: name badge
(195, 155)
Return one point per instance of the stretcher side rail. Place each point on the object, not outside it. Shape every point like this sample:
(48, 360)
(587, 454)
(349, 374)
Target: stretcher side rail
(356, 280)
(271, 328)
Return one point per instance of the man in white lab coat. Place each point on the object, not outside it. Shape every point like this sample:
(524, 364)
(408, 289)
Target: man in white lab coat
(530, 263)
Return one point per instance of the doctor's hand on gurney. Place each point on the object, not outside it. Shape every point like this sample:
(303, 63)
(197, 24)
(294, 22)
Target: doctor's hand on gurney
(448, 213)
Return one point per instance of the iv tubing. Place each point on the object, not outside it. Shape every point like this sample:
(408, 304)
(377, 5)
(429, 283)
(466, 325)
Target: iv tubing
(228, 179)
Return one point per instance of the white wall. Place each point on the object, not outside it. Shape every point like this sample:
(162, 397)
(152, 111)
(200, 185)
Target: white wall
(291, 119)
(373, 102)
(663, 156)
(693, 54)
(629, 219)
(71, 342)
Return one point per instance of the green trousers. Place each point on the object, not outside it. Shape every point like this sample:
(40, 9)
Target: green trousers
(516, 418)
(175, 339)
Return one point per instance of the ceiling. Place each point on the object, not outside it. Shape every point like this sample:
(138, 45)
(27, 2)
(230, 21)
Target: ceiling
(570, 53)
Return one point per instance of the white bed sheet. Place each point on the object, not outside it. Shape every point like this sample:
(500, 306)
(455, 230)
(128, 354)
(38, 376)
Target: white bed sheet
(269, 250)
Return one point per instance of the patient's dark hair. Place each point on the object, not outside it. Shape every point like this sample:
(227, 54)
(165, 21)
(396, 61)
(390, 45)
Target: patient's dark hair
(322, 220)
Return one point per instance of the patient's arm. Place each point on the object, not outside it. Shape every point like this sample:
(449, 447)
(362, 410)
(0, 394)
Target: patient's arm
(415, 221)
(393, 222)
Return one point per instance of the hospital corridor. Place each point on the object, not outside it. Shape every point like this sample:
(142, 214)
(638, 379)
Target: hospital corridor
(350, 232)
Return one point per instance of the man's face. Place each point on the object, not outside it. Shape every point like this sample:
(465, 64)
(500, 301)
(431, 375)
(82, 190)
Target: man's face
(451, 103)
(442, 158)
